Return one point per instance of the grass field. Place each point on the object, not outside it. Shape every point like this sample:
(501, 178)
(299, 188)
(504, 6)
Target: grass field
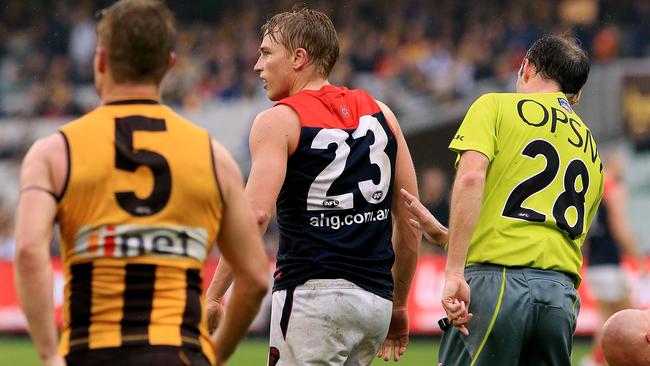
(18, 351)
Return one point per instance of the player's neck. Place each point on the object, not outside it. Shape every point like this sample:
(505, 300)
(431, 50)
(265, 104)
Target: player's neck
(130, 91)
(313, 83)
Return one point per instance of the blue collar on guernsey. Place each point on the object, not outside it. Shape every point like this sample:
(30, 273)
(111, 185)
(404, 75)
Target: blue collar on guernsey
(132, 101)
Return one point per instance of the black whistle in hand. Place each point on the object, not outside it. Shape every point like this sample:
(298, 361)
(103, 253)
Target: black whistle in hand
(444, 324)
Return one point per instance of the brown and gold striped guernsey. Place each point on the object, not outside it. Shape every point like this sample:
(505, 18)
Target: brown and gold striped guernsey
(138, 217)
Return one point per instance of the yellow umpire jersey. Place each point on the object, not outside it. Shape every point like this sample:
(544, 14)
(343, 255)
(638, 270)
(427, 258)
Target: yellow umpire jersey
(543, 185)
(138, 216)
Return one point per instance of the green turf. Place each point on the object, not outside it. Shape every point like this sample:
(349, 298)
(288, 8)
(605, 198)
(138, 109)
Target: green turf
(423, 351)
(17, 351)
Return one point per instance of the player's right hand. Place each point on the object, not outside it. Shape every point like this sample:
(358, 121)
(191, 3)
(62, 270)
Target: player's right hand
(215, 312)
(455, 301)
(432, 229)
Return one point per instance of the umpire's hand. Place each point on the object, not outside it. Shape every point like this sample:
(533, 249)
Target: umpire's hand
(455, 301)
(423, 220)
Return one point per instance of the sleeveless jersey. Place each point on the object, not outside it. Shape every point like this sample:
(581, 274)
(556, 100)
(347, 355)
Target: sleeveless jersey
(603, 248)
(543, 185)
(138, 217)
(334, 207)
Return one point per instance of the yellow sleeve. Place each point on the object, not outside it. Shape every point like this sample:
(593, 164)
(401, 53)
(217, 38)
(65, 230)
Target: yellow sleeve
(477, 132)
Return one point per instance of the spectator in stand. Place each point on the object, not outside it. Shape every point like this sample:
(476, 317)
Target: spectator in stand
(82, 42)
(61, 102)
(606, 44)
(434, 193)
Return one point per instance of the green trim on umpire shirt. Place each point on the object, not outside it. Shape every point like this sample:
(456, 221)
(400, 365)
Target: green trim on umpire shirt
(494, 317)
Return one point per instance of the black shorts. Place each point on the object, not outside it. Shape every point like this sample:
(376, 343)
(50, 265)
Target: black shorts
(138, 356)
(522, 316)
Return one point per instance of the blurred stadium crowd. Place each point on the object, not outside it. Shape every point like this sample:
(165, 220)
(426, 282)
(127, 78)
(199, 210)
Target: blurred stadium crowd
(437, 48)
(432, 50)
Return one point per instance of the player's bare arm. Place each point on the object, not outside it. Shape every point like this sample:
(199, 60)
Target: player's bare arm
(35, 217)
(406, 244)
(241, 245)
(273, 136)
(466, 199)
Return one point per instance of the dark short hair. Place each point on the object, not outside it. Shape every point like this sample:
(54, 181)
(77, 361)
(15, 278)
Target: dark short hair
(561, 59)
(308, 29)
(138, 36)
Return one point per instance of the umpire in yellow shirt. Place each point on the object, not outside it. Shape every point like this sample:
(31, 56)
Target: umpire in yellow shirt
(528, 183)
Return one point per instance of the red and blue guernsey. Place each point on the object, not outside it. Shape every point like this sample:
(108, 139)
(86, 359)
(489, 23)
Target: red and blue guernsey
(334, 209)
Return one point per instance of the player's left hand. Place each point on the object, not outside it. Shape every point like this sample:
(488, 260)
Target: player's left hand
(397, 339)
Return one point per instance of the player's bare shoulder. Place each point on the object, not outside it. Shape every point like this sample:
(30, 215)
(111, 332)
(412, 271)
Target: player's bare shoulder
(277, 117)
(48, 155)
(49, 145)
(278, 123)
(390, 117)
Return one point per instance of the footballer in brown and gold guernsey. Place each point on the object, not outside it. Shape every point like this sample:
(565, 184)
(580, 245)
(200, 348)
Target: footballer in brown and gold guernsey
(138, 218)
(141, 196)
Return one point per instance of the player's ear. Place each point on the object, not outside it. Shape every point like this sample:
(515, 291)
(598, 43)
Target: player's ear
(300, 58)
(575, 98)
(527, 70)
(647, 337)
(100, 60)
(171, 60)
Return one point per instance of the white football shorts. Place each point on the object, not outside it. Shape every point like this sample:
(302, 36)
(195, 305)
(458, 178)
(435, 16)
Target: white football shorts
(327, 322)
(608, 283)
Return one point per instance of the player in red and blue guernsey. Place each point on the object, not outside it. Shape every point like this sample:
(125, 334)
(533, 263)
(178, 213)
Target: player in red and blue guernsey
(330, 159)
